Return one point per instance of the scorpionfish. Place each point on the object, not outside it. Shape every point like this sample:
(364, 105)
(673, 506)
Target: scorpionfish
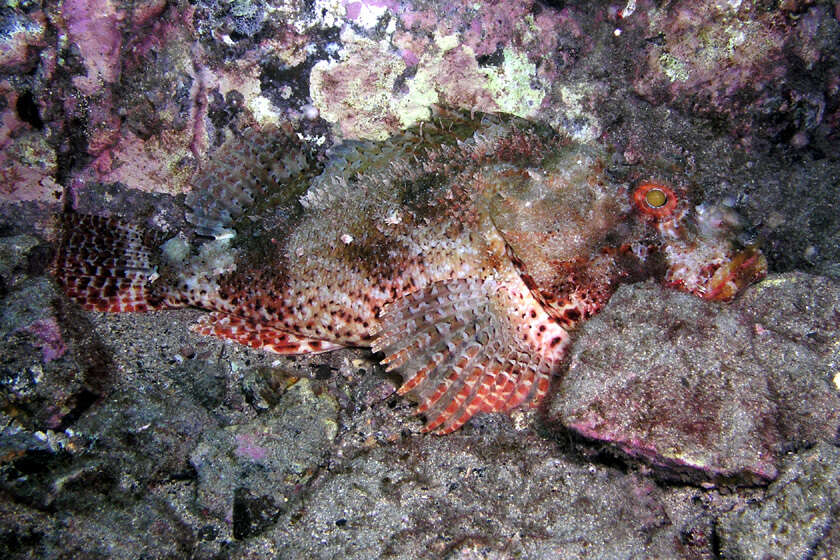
(464, 250)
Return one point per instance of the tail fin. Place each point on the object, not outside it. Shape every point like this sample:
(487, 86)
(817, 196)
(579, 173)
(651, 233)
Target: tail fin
(106, 265)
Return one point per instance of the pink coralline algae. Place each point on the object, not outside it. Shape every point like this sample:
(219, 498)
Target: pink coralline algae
(94, 26)
(495, 56)
(27, 161)
(148, 137)
(49, 337)
(246, 446)
(731, 58)
(20, 37)
(101, 33)
(353, 9)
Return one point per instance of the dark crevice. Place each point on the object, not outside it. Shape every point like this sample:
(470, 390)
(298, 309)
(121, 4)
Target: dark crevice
(27, 110)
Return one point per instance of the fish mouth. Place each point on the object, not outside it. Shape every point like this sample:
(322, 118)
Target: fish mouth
(745, 268)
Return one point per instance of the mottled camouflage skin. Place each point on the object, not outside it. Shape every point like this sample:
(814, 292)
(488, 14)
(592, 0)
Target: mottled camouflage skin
(464, 250)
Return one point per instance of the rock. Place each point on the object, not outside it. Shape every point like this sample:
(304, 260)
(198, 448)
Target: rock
(829, 544)
(49, 374)
(106, 528)
(148, 436)
(706, 391)
(798, 516)
(661, 376)
(14, 257)
(491, 492)
(796, 235)
(249, 474)
(21, 37)
(796, 318)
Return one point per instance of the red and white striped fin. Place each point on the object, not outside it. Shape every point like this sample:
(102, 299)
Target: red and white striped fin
(257, 335)
(469, 346)
(106, 265)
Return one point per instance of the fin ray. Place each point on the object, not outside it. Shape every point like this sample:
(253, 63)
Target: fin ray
(256, 165)
(106, 265)
(468, 346)
(257, 335)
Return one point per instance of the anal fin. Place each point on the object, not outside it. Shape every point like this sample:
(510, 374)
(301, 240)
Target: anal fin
(257, 335)
(469, 346)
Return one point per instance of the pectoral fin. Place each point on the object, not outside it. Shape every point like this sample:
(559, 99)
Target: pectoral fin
(469, 346)
(106, 265)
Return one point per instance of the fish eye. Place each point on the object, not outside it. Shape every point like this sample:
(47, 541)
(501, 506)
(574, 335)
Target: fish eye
(655, 200)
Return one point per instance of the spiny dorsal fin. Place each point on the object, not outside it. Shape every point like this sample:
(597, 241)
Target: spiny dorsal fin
(363, 162)
(256, 166)
(450, 140)
(469, 346)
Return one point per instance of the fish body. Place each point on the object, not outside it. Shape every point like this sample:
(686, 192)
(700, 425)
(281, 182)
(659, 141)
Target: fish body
(464, 250)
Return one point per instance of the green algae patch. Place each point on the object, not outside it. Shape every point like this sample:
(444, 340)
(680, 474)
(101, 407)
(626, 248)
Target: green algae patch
(511, 84)
(674, 68)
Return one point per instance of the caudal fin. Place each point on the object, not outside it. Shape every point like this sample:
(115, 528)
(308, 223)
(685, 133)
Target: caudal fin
(106, 265)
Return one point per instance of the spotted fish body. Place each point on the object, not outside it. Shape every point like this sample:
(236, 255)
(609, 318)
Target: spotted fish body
(464, 250)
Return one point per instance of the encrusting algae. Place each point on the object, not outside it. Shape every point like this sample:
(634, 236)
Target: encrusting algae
(464, 250)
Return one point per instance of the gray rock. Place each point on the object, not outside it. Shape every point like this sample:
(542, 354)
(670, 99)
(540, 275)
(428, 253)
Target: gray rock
(797, 320)
(110, 528)
(798, 515)
(146, 433)
(708, 391)
(829, 545)
(248, 474)
(13, 259)
(51, 370)
(488, 492)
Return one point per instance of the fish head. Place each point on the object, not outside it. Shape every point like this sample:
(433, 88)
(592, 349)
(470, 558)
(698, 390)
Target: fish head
(575, 234)
(701, 245)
